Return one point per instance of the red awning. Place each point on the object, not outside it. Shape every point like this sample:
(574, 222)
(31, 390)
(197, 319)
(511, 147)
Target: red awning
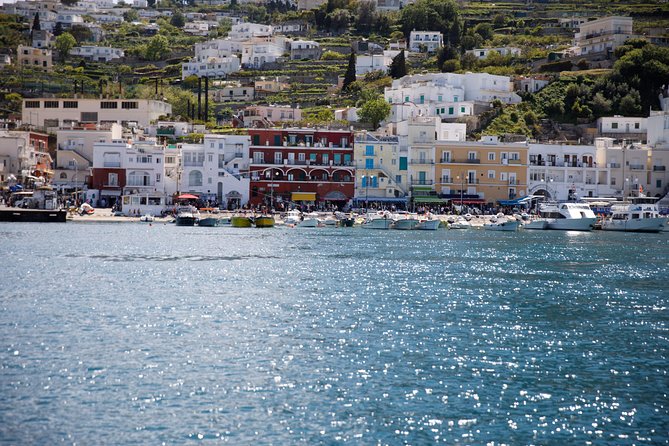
(187, 197)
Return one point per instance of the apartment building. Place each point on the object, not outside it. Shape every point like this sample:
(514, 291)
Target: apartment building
(97, 53)
(34, 58)
(381, 170)
(604, 35)
(425, 41)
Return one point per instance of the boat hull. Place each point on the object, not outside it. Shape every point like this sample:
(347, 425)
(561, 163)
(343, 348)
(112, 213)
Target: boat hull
(572, 224)
(428, 225)
(265, 221)
(536, 224)
(347, 222)
(378, 223)
(210, 222)
(406, 224)
(185, 220)
(636, 225)
(241, 222)
(33, 215)
(509, 226)
(308, 223)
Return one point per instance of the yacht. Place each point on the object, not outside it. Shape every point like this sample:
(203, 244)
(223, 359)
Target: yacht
(641, 214)
(564, 217)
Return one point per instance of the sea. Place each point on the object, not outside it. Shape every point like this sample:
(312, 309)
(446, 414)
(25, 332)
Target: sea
(129, 333)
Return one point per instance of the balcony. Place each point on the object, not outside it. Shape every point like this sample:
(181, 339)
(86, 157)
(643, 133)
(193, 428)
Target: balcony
(614, 165)
(659, 168)
(112, 164)
(422, 182)
(165, 131)
(193, 163)
(445, 180)
(422, 161)
(637, 167)
(515, 161)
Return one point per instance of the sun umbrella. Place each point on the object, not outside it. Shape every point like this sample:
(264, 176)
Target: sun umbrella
(187, 197)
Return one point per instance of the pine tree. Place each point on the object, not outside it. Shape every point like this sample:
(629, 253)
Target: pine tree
(36, 24)
(349, 77)
(398, 67)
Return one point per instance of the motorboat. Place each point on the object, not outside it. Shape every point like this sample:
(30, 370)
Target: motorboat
(641, 214)
(378, 220)
(460, 223)
(211, 222)
(264, 221)
(292, 217)
(187, 215)
(501, 223)
(310, 220)
(147, 218)
(39, 205)
(564, 217)
(429, 224)
(345, 220)
(241, 221)
(406, 221)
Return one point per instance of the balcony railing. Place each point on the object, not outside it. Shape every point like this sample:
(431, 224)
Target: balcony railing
(659, 168)
(422, 161)
(111, 164)
(422, 182)
(514, 161)
(193, 164)
(445, 180)
(614, 165)
(637, 166)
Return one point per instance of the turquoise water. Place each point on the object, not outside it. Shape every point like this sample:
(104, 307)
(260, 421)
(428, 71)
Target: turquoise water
(132, 334)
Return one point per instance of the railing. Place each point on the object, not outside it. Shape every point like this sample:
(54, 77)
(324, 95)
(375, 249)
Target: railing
(614, 165)
(422, 161)
(445, 160)
(422, 182)
(193, 164)
(659, 168)
(637, 167)
(514, 161)
(111, 164)
(445, 180)
(473, 161)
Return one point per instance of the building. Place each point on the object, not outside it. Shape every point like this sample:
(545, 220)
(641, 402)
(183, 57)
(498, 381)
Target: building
(213, 67)
(349, 114)
(268, 115)
(305, 49)
(5, 60)
(264, 86)
(97, 53)
(258, 51)
(530, 84)
(233, 92)
(483, 53)
(425, 41)
(217, 170)
(197, 28)
(173, 129)
(481, 172)
(55, 112)
(381, 170)
(365, 63)
(303, 166)
(74, 152)
(34, 58)
(602, 36)
(566, 172)
(42, 39)
(24, 158)
(622, 127)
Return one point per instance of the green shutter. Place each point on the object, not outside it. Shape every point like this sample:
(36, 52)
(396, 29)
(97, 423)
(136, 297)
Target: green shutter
(403, 163)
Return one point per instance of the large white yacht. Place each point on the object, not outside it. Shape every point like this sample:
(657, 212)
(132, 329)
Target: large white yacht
(564, 217)
(640, 214)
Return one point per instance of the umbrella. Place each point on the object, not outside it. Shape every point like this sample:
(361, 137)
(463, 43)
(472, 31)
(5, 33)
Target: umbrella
(187, 197)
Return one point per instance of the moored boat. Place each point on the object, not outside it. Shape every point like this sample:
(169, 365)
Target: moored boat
(264, 221)
(379, 220)
(501, 223)
(428, 224)
(241, 221)
(210, 222)
(564, 217)
(39, 206)
(641, 214)
(406, 221)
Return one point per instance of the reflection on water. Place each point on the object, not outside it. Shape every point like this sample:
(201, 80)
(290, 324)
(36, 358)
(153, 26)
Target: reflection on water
(120, 334)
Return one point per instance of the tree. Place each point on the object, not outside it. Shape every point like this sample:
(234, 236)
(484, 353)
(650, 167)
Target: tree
(349, 77)
(64, 43)
(600, 105)
(630, 105)
(434, 15)
(157, 48)
(374, 111)
(36, 24)
(450, 66)
(364, 21)
(339, 19)
(398, 67)
(58, 29)
(131, 15)
(178, 20)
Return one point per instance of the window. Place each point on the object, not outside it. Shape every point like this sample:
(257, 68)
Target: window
(301, 157)
(63, 175)
(278, 158)
(258, 157)
(614, 125)
(398, 179)
(471, 155)
(636, 125)
(127, 105)
(491, 174)
(50, 104)
(32, 104)
(157, 178)
(89, 116)
(139, 179)
(337, 159)
(403, 163)
(108, 105)
(326, 158)
(256, 140)
(491, 156)
(112, 179)
(195, 178)
(70, 104)
(210, 157)
(450, 110)
(312, 157)
(369, 150)
(369, 163)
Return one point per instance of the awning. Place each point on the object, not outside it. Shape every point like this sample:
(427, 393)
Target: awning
(518, 201)
(380, 199)
(303, 196)
(187, 197)
(233, 194)
(468, 201)
(335, 195)
(420, 199)
(110, 193)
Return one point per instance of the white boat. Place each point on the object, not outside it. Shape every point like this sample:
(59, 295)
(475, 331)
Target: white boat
(428, 224)
(639, 215)
(501, 223)
(379, 220)
(147, 218)
(310, 220)
(292, 217)
(406, 221)
(564, 217)
(460, 223)
(329, 221)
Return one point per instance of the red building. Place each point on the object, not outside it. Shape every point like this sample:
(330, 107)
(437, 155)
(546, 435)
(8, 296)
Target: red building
(301, 165)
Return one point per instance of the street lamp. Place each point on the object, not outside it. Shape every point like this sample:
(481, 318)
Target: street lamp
(367, 179)
(462, 187)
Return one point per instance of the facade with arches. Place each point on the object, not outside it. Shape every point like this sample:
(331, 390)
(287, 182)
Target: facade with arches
(301, 165)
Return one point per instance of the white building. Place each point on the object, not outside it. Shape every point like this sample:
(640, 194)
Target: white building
(270, 114)
(425, 41)
(197, 28)
(214, 67)
(365, 63)
(233, 92)
(173, 129)
(305, 49)
(217, 170)
(245, 31)
(258, 51)
(349, 114)
(530, 84)
(97, 53)
(482, 53)
(603, 35)
(381, 169)
(57, 112)
(567, 172)
(622, 127)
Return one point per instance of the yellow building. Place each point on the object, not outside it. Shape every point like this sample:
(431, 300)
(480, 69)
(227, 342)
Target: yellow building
(482, 172)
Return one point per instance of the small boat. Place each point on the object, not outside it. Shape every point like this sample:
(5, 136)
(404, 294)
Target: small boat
(564, 217)
(460, 223)
(538, 223)
(211, 222)
(147, 218)
(345, 220)
(292, 217)
(405, 221)
(310, 220)
(241, 221)
(329, 221)
(379, 220)
(641, 214)
(431, 224)
(500, 223)
(185, 218)
(264, 221)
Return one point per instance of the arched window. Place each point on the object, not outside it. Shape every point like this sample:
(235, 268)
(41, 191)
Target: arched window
(195, 178)
(139, 178)
(63, 176)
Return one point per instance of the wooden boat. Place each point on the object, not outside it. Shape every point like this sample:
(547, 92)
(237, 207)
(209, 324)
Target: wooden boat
(241, 221)
(264, 221)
